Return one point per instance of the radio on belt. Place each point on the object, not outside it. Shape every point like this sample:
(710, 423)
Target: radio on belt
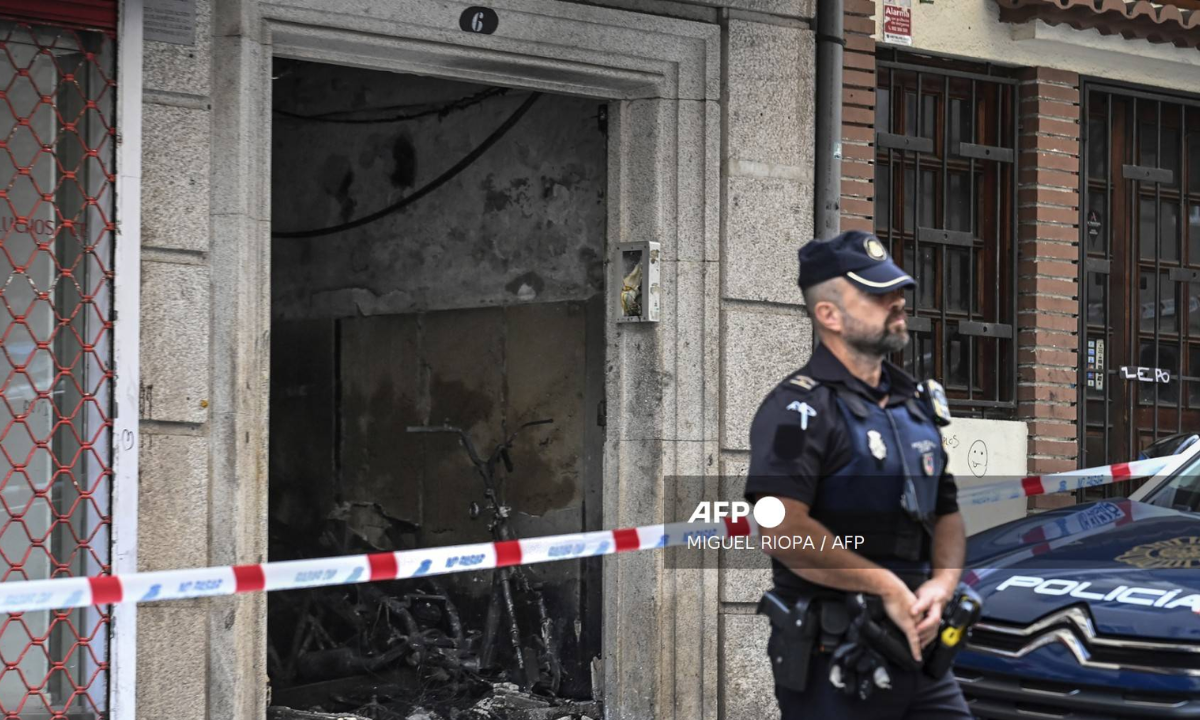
(960, 614)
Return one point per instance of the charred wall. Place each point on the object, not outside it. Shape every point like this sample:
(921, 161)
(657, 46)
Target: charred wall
(524, 223)
(477, 306)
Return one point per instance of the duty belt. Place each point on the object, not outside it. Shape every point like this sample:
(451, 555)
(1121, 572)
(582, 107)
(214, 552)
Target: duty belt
(863, 641)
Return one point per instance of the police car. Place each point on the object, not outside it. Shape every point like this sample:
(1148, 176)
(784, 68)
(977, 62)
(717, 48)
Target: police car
(1091, 611)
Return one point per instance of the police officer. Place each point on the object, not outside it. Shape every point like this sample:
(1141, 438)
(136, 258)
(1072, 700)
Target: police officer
(850, 447)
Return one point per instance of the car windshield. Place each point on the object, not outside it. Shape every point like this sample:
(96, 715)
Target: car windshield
(1181, 492)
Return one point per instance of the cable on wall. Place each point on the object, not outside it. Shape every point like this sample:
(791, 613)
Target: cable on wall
(428, 188)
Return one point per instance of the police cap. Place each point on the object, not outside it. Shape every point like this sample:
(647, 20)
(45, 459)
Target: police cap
(855, 255)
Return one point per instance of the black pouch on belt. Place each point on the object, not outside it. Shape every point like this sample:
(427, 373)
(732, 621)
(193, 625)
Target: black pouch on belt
(835, 621)
(794, 632)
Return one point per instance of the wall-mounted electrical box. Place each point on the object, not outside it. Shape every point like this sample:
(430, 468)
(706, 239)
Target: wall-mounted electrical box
(640, 290)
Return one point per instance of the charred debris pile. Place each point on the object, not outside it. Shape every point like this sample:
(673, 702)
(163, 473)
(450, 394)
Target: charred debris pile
(401, 650)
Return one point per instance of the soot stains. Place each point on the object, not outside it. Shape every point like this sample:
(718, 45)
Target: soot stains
(337, 181)
(498, 199)
(344, 198)
(404, 157)
(462, 406)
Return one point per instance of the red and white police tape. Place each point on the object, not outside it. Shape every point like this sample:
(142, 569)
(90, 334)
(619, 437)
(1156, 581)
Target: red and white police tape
(59, 593)
(1068, 481)
(30, 595)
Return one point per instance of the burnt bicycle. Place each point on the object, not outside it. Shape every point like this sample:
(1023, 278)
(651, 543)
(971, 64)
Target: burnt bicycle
(512, 593)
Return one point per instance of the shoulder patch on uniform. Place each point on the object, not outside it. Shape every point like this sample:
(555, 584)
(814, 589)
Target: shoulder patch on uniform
(803, 381)
(936, 396)
(806, 411)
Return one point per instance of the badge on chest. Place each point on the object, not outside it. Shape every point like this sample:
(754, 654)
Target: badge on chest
(875, 445)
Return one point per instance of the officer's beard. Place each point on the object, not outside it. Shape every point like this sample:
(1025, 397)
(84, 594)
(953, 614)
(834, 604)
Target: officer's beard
(891, 338)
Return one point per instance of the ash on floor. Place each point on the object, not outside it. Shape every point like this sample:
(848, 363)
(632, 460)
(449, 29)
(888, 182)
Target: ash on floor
(505, 701)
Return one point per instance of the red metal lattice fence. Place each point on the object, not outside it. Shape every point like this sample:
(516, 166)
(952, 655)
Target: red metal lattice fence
(57, 176)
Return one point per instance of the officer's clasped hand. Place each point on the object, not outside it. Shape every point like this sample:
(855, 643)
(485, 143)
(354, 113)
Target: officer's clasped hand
(899, 606)
(927, 611)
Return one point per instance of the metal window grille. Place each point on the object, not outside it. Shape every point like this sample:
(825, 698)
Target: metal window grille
(945, 204)
(57, 105)
(1140, 250)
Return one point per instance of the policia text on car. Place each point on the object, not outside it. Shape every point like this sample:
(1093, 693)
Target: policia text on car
(850, 444)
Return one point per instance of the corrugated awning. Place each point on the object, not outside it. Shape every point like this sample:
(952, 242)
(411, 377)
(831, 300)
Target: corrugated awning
(1174, 23)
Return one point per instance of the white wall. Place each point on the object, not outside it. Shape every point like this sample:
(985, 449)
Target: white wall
(972, 29)
(986, 451)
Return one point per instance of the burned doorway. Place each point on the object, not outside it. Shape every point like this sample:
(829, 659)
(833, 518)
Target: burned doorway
(478, 305)
(1141, 264)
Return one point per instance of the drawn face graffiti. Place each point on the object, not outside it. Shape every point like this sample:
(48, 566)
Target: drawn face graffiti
(977, 458)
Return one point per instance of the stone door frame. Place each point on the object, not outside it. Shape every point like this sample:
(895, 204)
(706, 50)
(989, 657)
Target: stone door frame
(662, 77)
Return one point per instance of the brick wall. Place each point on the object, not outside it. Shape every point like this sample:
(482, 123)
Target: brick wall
(858, 118)
(1048, 284)
(1048, 233)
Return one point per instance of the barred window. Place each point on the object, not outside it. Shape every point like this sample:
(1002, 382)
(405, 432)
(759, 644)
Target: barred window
(945, 205)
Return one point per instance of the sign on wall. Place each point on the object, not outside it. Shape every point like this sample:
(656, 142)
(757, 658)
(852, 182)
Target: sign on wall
(480, 20)
(897, 22)
(1095, 363)
(984, 451)
(170, 21)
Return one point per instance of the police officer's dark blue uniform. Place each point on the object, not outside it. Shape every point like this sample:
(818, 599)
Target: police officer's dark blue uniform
(867, 461)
